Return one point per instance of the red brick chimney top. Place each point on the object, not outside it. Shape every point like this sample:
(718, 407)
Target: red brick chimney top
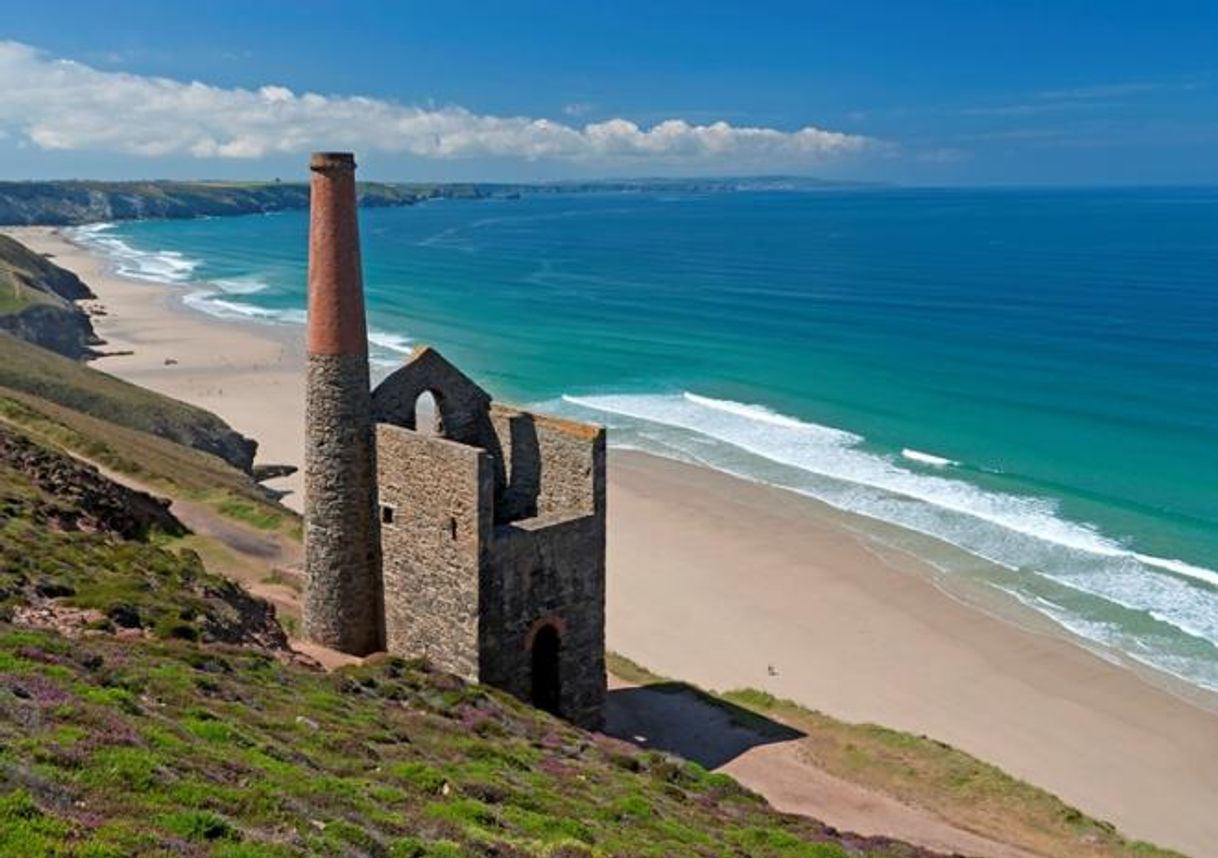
(336, 289)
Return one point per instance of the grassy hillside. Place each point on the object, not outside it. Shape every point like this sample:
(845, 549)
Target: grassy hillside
(27, 368)
(169, 748)
(22, 267)
(132, 724)
(78, 551)
(165, 466)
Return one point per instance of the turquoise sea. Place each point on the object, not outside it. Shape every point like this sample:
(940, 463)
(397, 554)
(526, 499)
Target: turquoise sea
(1029, 376)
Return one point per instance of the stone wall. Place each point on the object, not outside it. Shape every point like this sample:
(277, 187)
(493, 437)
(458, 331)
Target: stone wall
(490, 533)
(549, 466)
(343, 606)
(462, 405)
(547, 571)
(435, 498)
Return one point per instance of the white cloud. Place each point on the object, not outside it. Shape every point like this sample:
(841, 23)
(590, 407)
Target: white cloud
(65, 105)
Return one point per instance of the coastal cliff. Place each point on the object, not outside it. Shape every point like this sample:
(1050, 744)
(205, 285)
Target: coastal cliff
(37, 302)
(65, 203)
(43, 336)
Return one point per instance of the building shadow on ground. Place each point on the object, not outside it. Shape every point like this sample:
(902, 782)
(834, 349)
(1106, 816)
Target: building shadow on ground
(682, 720)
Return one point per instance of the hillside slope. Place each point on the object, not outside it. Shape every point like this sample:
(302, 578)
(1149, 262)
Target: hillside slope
(28, 368)
(132, 723)
(36, 302)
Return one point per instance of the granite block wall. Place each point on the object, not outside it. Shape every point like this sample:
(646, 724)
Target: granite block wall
(435, 508)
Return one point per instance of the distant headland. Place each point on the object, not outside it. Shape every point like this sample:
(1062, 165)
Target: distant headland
(71, 202)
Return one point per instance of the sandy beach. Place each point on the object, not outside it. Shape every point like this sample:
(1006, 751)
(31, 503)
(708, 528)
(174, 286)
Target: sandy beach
(728, 584)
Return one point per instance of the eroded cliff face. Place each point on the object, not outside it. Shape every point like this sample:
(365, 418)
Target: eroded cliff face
(65, 330)
(39, 372)
(37, 302)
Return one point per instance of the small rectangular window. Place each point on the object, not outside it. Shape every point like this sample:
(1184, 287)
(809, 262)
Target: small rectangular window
(386, 514)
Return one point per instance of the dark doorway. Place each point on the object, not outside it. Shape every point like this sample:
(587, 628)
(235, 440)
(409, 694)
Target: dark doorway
(546, 680)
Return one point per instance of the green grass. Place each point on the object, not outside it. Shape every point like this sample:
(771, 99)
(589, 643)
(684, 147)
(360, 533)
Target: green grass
(58, 380)
(163, 744)
(16, 296)
(259, 515)
(62, 542)
(228, 752)
(162, 464)
(20, 269)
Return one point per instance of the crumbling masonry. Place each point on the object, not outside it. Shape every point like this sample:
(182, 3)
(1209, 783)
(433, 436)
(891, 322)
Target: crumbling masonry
(476, 540)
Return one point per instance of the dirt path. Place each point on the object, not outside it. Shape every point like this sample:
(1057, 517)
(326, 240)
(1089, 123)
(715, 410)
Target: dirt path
(771, 762)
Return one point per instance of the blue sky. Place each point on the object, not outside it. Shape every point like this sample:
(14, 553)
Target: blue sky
(933, 92)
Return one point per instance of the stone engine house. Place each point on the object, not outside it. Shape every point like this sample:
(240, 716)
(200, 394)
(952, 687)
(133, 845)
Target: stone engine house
(493, 539)
(473, 533)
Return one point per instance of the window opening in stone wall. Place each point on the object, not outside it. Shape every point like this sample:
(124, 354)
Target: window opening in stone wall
(546, 692)
(386, 514)
(427, 420)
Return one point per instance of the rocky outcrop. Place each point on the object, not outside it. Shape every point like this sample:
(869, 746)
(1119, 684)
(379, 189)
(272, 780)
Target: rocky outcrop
(81, 553)
(37, 302)
(62, 329)
(84, 499)
(40, 272)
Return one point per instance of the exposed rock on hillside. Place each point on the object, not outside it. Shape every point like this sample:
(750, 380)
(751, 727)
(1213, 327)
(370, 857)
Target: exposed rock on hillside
(77, 554)
(36, 302)
(40, 272)
(86, 501)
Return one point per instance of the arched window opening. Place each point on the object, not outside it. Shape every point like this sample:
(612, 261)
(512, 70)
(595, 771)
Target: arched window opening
(547, 689)
(427, 418)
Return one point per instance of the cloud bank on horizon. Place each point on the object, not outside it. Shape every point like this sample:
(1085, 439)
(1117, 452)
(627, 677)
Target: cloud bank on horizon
(58, 104)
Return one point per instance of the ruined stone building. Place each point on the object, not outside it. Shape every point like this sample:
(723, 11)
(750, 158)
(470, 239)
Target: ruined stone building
(472, 534)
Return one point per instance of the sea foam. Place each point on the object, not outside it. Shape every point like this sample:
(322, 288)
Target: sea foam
(927, 458)
(1024, 534)
(162, 266)
(215, 297)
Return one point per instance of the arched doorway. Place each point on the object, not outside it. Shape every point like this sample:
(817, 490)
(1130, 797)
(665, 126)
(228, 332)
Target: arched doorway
(547, 685)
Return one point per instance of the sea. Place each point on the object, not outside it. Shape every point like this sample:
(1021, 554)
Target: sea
(1021, 386)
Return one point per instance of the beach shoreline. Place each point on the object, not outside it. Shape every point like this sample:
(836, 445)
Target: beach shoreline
(728, 583)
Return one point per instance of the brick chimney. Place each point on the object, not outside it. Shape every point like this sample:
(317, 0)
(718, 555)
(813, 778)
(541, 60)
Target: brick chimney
(343, 599)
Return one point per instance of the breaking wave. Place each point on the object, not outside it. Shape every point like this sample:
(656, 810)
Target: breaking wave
(162, 266)
(1093, 573)
(217, 297)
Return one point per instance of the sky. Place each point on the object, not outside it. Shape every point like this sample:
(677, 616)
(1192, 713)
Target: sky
(936, 92)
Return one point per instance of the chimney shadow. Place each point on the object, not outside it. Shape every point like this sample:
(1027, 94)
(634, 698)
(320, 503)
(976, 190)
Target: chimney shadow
(688, 722)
